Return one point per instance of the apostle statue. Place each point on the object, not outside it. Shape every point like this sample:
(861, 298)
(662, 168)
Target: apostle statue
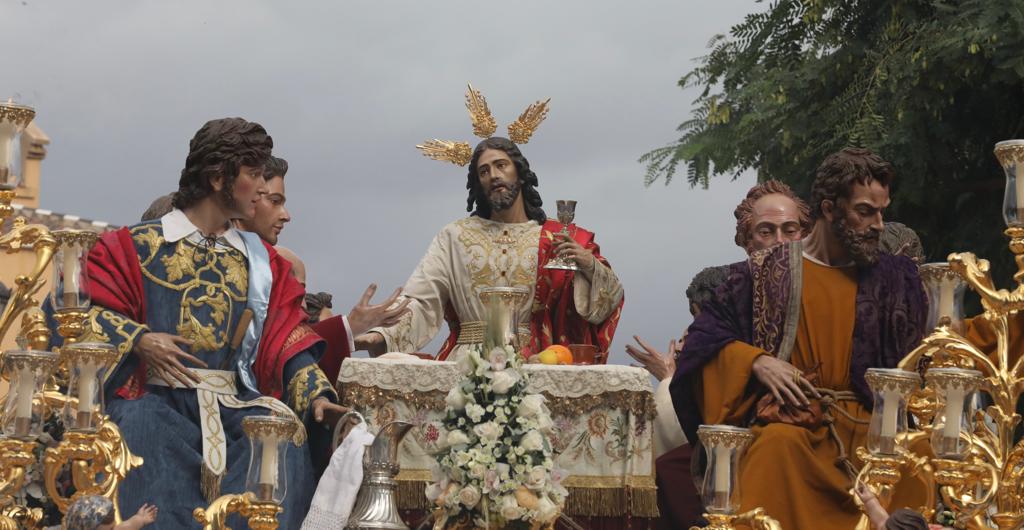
(209, 325)
(505, 242)
(785, 343)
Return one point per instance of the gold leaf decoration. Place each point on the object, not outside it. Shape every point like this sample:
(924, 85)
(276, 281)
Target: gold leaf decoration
(483, 122)
(523, 128)
(458, 153)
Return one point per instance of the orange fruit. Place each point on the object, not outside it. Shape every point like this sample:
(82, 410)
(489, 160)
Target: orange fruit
(564, 355)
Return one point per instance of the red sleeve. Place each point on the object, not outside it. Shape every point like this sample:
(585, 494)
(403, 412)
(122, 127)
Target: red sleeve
(285, 332)
(115, 277)
(334, 333)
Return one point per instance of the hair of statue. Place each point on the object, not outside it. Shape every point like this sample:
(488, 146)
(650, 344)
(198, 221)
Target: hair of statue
(315, 303)
(899, 239)
(702, 287)
(744, 212)
(160, 207)
(838, 173)
(477, 202)
(275, 167)
(220, 148)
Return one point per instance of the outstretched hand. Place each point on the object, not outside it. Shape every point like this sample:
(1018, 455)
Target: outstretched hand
(661, 365)
(145, 516)
(163, 356)
(365, 316)
(784, 381)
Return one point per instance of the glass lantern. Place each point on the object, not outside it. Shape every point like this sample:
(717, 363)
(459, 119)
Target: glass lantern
(1011, 156)
(945, 289)
(724, 446)
(13, 120)
(26, 371)
(70, 281)
(890, 388)
(951, 428)
(269, 437)
(87, 364)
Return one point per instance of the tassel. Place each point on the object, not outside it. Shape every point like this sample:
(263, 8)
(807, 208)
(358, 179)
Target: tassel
(210, 483)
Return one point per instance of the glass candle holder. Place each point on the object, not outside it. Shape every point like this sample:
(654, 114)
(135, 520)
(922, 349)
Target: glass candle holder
(13, 120)
(501, 315)
(951, 428)
(26, 371)
(890, 388)
(724, 446)
(70, 281)
(1010, 154)
(269, 437)
(87, 364)
(945, 289)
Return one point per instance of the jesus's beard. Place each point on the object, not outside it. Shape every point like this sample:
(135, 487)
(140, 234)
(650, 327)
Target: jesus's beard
(503, 200)
(862, 247)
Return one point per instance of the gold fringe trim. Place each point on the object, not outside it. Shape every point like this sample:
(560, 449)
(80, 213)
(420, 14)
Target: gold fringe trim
(209, 483)
(640, 404)
(582, 501)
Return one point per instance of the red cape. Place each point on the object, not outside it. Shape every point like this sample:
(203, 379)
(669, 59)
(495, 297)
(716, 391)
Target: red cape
(116, 283)
(554, 319)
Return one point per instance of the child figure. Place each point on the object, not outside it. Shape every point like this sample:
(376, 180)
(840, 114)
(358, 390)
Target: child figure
(94, 512)
(902, 519)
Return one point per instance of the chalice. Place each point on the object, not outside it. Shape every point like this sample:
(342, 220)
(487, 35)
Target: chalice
(566, 214)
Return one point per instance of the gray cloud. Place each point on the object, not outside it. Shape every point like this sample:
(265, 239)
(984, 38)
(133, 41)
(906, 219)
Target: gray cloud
(348, 88)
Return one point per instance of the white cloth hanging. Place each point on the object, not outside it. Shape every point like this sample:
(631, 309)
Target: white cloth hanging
(336, 494)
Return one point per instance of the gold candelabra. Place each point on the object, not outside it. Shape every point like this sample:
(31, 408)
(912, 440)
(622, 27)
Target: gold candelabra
(260, 504)
(92, 449)
(978, 467)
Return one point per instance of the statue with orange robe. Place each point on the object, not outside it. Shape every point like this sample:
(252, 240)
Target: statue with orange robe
(792, 332)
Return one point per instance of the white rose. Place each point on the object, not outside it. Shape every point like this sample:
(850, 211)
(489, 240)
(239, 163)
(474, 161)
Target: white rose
(536, 478)
(488, 432)
(491, 480)
(463, 458)
(503, 381)
(466, 364)
(546, 510)
(544, 423)
(477, 471)
(457, 438)
(498, 359)
(531, 406)
(510, 509)
(469, 496)
(475, 412)
(456, 399)
(531, 441)
(503, 471)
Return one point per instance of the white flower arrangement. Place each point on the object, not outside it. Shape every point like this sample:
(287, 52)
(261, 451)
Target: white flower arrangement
(497, 469)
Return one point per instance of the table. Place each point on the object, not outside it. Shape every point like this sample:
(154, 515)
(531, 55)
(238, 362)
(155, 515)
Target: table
(603, 418)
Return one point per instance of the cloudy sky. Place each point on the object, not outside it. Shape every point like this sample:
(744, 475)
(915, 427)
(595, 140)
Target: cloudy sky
(347, 88)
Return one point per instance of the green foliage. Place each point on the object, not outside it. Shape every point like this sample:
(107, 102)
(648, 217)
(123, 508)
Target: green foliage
(929, 85)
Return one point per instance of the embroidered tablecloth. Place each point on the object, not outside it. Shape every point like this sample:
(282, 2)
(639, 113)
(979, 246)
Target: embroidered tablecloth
(603, 427)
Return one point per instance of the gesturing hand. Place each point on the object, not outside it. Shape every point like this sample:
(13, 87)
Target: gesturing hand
(326, 412)
(568, 248)
(660, 365)
(784, 381)
(365, 316)
(162, 355)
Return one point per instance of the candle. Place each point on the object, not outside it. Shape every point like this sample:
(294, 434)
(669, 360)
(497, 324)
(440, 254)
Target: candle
(71, 275)
(887, 442)
(723, 469)
(8, 130)
(23, 407)
(1019, 189)
(954, 410)
(86, 388)
(946, 287)
(268, 468)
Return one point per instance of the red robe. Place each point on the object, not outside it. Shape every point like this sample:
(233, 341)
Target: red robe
(554, 319)
(115, 280)
(334, 333)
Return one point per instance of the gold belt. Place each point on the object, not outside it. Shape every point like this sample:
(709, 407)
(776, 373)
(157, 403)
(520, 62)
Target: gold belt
(473, 332)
